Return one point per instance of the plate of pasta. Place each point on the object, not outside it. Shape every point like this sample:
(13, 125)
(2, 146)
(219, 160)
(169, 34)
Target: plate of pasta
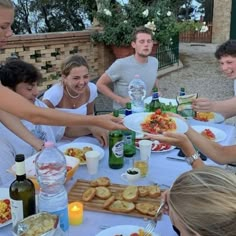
(124, 230)
(5, 208)
(154, 123)
(78, 150)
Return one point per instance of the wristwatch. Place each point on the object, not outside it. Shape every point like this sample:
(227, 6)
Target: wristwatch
(192, 158)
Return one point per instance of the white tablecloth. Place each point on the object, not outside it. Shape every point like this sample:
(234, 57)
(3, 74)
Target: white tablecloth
(162, 171)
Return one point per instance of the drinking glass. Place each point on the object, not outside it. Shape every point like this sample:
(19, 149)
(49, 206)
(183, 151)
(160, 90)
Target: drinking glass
(141, 161)
(92, 161)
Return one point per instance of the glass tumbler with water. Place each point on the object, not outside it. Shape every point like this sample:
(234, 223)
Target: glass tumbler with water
(50, 167)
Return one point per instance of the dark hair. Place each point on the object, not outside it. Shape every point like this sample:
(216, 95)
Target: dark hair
(226, 49)
(140, 29)
(71, 62)
(16, 71)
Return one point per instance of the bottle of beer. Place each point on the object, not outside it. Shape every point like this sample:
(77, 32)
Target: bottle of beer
(155, 103)
(116, 147)
(129, 136)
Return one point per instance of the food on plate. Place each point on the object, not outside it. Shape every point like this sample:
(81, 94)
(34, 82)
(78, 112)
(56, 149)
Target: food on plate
(146, 208)
(158, 122)
(78, 153)
(36, 225)
(103, 192)
(122, 206)
(204, 116)
(156, 146)
(140, 232)
(109, 201)
(101, 181)
(5, 210)
(88, 194)
(130, 193)
(208, 134)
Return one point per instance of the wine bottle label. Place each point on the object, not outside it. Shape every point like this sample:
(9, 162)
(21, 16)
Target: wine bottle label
(16, 211)
(64, 219)
(20, 168)
(118, 149)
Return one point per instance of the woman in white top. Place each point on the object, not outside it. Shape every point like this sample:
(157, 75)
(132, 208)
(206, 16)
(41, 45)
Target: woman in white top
(75, 94)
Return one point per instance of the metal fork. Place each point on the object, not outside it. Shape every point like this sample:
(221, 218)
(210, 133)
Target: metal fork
(153, 222)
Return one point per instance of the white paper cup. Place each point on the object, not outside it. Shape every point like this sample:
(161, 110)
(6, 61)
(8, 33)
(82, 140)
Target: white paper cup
(145, 148)
(92, 160)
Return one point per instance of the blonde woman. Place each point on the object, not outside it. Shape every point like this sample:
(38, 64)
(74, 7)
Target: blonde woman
(202, 202)
(75, 94)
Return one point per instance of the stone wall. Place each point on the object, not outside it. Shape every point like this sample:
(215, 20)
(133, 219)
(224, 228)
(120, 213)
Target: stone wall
(221, 21)
(46, 52)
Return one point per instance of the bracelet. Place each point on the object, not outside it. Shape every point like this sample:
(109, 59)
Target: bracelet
(41, 148)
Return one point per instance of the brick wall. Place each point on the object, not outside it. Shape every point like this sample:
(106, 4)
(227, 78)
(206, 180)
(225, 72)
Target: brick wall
(46, 51)
(221, 21)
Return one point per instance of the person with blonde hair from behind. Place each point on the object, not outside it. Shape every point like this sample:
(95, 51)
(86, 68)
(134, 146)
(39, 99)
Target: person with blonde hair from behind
(202, 202)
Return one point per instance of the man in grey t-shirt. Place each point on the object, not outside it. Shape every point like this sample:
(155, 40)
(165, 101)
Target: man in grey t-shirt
(122, 71)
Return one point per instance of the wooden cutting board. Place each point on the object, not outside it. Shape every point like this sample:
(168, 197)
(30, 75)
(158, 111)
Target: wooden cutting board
(97, 204)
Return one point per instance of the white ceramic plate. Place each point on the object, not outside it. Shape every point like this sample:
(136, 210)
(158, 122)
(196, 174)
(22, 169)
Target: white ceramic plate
(80, 146)
(133, 122)
(147, 100)
(154, 145)
(4, 194)
(30, 165)
(124, 230)
(219, 134)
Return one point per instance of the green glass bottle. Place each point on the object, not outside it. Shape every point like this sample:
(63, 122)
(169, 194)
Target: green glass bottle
(155, 103)
(22, 193)
(116, 147)
(129, 136)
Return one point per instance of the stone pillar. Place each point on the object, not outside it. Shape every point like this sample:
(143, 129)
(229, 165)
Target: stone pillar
(221, 21)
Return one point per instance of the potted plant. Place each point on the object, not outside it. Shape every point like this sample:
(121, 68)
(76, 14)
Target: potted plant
(119, 21)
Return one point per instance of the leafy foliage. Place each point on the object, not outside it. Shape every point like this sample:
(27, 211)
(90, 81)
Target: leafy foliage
(119, 21)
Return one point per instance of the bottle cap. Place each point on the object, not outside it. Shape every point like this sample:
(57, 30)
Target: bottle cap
(128, 105)
(116, 113)
(19, 158)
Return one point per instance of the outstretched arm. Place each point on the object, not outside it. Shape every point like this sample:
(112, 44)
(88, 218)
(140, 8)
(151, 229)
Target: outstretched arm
(20, 107)
(226, 107)
(15, 125)
(218, 153)
(181, 141)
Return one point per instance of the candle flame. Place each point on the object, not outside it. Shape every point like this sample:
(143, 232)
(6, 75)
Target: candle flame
(75, 208)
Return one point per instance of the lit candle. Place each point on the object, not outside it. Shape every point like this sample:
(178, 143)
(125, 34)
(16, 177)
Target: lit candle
(75, 213)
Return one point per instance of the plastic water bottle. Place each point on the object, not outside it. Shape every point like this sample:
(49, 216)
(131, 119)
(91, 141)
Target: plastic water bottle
(50, 167)
(137, 93)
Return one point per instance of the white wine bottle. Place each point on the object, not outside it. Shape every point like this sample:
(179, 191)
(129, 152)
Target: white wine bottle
(22, 193)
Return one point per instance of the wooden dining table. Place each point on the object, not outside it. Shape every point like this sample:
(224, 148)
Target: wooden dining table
(162, 171)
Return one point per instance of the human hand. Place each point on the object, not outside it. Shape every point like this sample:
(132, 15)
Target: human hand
(123, 100)
(202, 105)
(109, 122)
(100, 134)
(164, 197)
(171, 138)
